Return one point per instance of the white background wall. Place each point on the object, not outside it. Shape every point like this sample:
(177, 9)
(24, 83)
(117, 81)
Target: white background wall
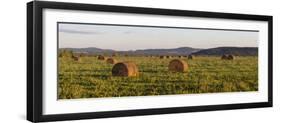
(13, 61)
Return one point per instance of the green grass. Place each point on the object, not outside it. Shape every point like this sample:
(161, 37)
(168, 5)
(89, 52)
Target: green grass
(91, 78)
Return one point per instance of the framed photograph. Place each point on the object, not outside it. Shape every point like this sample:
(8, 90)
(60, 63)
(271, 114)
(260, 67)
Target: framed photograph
(95, 61)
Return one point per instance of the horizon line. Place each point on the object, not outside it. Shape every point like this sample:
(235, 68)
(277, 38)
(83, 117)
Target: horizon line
(162, 48)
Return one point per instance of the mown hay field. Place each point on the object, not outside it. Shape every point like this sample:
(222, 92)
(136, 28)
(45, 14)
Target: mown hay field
(92, 78)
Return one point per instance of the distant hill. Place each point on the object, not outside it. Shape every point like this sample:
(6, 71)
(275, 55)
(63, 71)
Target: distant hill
(90, 50)
(174, 51)
(239, 51)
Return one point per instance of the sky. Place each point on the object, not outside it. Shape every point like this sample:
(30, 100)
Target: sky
(124, 38)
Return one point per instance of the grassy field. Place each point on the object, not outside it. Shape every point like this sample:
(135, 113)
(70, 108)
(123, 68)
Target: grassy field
(91, 78)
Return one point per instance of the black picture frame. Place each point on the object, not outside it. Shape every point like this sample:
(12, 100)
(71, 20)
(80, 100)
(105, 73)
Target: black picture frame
(35, 69)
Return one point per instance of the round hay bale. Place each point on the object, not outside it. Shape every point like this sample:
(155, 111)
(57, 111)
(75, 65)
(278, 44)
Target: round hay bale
(224, 57)
(111, 61)
(179, 56)
(114, 54)
(190, 57)
(125, 69)
(162, 57)
(60, 55)
(75, 58)
(168, 57)
(178, 65)
(100, 57)
(230, 57)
